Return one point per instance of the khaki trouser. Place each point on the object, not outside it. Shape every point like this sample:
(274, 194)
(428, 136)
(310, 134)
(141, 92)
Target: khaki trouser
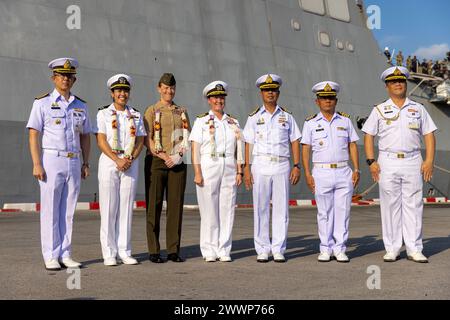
(171, 182)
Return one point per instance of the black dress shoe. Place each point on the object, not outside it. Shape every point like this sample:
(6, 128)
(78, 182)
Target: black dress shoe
(175, 257)
(156, 258)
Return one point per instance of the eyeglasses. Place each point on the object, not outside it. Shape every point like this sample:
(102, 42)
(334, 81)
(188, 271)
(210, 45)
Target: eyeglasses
(68, 75)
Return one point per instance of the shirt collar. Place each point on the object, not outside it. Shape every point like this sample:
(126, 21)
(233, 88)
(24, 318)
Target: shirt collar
(321, 116)
(224, 117)
(407, 102)
(56, 96)
(111, 107)
(263, 109)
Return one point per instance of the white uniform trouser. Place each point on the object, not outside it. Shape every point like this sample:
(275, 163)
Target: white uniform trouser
(333, 194)
(216, 201)
(116, 195)
(401, 202)
(270, 179)
(59, 195)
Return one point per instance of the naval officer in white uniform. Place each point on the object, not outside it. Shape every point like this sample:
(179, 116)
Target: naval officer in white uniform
(63, 120)
(120, 136)
(400, 170)
(217, 156)
(269, 132)
(332, 138)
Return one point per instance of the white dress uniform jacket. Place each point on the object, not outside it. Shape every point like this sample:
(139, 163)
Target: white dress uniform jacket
(401, 200)
(117, 189)
(271, 136)
(217, 197)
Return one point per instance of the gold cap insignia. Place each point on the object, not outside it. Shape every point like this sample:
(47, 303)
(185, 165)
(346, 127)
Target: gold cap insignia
(122, 80)
(219, 87)
(67, 65)
(327, 88)
(397, 72)
(269, 79)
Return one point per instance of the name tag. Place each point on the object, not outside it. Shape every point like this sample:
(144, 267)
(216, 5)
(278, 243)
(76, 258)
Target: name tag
(56, 108)
(413, 125)
(317, 130)
(386, 112)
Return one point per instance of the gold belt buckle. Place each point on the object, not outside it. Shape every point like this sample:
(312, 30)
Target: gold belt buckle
(70, 155)
(274, 159)
(222, 155)
(333, 165)
(400, 155)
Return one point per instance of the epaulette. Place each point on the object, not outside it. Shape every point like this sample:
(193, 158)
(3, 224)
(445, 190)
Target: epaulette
(285, 110)
(203, 115)
(231, 116)
(377, 104)
(80, 99)
(343, 114)
(135, 109)
(254, 112)
(42, 96)
(311, 117)
(104, 107)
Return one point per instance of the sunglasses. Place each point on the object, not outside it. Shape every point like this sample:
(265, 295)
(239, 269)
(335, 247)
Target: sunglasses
(270, 90)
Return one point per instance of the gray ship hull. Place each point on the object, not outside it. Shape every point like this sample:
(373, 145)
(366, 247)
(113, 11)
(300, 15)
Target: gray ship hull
(199, 41)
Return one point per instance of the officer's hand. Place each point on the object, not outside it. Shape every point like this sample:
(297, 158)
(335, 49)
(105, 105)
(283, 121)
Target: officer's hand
(295, 175)
(198, 179)
(310, 182)
(238, 180)
(169, 162)
(355, 178)
(121, 164)
(375, 171)
(39, 172)
(248, 178)
(427, 170)
(84, 171)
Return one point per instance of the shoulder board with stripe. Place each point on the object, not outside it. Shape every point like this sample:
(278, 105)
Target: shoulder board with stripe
(135, 109)
(203, 115)
(104, 107)
(80, 99)
(311, 117)
(231, 116)
(377, 104)
(42, 96)
(254, 111)
(343, 114)
(285, 110)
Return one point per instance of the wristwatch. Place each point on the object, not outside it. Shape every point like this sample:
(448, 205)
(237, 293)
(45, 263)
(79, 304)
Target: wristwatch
(297, 165)
(357, 170)
(370, 161)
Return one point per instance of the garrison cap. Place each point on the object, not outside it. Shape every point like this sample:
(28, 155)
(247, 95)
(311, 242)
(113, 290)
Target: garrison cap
(64, 65)
(119, 81)
(269, 81)
(168, 79)
(215, 88)
(394, 73)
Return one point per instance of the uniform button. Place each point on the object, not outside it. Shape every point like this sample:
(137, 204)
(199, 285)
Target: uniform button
(180, 138)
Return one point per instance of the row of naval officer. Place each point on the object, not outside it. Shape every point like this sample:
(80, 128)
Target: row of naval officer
(218, 148)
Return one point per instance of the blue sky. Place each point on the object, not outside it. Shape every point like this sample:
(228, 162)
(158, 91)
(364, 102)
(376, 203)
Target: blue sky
(414, 26)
